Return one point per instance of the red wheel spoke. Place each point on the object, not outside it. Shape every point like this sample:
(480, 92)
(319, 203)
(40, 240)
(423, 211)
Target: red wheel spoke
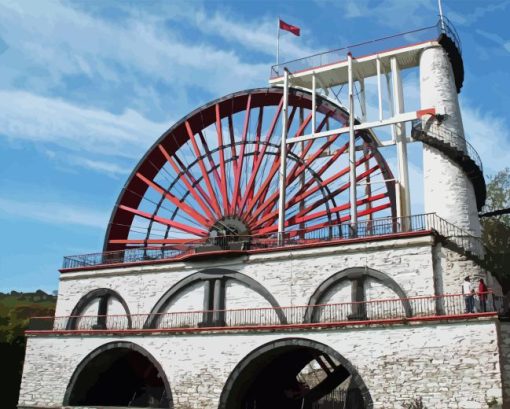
(258, 161)
(155, 241)
(168, 222)
(223, 184)
(265, 185)
(260, 196)
(336, 192)
(184, 175)
(309, 191)
(175, 201)
(210, 158)
(298, 168)
(270, 218)
(249, 193)
(205, 175)
(270, 203)
(297, 219)
(240, 159)
(233, 151)
(274, 228)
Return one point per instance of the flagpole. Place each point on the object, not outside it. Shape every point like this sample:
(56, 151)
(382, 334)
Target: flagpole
(441, 18)
(278, 43)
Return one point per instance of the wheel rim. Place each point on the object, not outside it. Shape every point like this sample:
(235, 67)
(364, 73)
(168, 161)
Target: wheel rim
(216, 172)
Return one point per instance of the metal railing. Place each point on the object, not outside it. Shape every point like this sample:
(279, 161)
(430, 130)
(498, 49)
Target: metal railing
(448, 136)
(370, 47)
(376, 310)
(344, 231)
(446, 27)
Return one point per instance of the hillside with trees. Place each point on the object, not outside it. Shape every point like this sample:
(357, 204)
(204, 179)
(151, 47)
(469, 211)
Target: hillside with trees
(15, 311)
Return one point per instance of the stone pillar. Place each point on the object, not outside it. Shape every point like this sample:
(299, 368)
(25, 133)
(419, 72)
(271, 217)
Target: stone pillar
(448, 191)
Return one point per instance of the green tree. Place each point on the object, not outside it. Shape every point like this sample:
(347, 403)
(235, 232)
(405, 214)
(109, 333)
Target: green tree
(15, 311)
(496, 229)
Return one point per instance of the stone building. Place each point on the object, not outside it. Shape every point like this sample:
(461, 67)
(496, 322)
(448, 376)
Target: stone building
(200, 299)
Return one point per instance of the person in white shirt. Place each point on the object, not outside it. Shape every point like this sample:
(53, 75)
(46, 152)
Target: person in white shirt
(468, 291)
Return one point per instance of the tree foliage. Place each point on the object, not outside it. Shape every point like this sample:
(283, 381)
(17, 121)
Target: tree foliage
(15, 311)
(496, 229)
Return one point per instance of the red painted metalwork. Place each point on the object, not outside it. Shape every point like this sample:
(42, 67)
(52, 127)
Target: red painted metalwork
(240, 159)
(422, 112)
(106, 260)
(223, 183)
(197, 180)
(258, 161)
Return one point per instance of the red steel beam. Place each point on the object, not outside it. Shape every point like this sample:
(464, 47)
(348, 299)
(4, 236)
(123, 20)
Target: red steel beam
(175, 201)
(223, 184)
(184, 175)
(240, 159)
(258, 162)
(205, 175)
(167, 222)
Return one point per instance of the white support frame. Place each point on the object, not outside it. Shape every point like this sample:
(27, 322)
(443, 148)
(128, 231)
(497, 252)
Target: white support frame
(283, 161)
(379, 88)
(399, 132)
(405, 117)
(352, 153)
(314, 105)
(382, 64)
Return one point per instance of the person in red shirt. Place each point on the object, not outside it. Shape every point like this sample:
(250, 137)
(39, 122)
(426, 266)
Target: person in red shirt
(482, 295)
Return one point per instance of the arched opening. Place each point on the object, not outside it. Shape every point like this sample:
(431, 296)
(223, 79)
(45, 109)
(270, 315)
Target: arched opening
(119, 374)
(216, 284)
(295, 373)
(357, 280)
(101, 308)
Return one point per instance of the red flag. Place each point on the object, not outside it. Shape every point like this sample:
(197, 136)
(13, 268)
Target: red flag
(287, 27)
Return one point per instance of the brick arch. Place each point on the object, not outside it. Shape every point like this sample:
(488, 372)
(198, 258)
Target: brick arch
(358, 274)
(105, 349)
(251, 364)
(87, 298)
(208, 275)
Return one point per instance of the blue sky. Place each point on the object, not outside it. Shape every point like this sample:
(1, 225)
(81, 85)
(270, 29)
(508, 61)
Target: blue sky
(86, 87)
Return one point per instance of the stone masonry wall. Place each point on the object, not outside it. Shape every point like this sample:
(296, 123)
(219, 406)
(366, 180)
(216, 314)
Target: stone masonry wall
(504, 354)
(451, 268)
(290, 276)
(450, 365)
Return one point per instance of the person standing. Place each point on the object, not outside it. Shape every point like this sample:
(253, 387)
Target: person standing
(482, 295)
(468, 291)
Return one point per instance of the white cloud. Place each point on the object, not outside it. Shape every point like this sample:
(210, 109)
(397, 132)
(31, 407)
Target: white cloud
(51, 121)
(53, 213)
(399, 14)
(467, 19)
(496, 38)
(64, 41)
(259, 35)
(109, 168)
(490, 137)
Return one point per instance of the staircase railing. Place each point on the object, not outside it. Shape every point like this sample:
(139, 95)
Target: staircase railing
(447, 136)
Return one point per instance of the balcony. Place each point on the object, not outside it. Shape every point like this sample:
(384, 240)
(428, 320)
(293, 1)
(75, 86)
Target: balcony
(345, 233)
(384, 312)
(406, 47)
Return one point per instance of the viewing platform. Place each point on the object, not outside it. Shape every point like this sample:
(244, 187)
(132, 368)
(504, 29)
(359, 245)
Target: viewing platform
(384, 311)
(380, 228)
(331, 67)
